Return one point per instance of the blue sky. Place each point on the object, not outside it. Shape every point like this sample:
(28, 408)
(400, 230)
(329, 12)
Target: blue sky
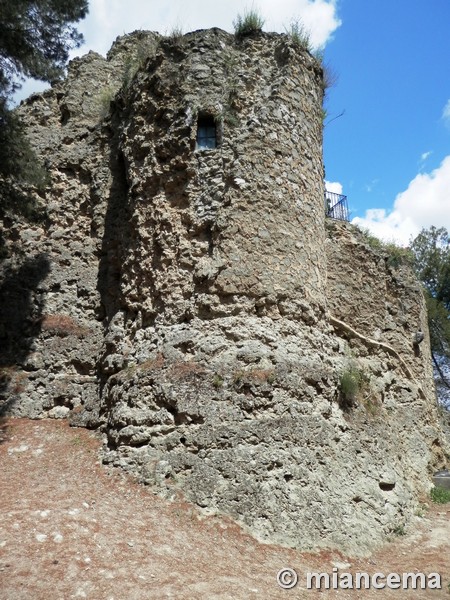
(390, 151)
(392, 58)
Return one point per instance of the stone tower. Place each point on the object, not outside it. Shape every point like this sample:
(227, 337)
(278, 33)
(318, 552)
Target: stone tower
(238, 227)
(190, 303)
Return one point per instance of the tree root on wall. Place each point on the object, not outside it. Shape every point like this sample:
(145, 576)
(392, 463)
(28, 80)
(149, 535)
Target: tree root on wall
(340, 325)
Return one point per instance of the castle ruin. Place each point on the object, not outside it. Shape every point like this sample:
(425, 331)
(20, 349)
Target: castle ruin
(187, 297)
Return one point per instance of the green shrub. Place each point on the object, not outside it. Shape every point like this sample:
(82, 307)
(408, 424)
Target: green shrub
(350, 384)
(231, 118)
(250, 22)
(105, 98)
(440, 496)
(136, 59)
(371, 240)
(421, 510)
(396, 255)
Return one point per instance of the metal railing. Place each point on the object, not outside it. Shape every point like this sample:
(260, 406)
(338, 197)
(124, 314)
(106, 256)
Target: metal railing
(336, 206)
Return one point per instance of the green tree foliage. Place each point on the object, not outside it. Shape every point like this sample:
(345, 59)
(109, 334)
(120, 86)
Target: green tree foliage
(431, 249)
(16, 155)
(20, 173)
(439, 325)
(35, 39)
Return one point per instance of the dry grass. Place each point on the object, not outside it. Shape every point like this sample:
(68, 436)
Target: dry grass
(14, 379)
(187, 369)
(255, 376)
(62, 325)
(152, 364)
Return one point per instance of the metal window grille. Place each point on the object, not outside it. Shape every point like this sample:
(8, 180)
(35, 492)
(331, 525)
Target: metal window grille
(206, 133)
(336, 206)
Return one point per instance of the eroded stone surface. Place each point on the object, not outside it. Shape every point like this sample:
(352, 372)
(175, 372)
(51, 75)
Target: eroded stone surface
(192, 304)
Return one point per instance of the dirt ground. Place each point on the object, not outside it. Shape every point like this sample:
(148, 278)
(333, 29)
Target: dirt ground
(73, 528)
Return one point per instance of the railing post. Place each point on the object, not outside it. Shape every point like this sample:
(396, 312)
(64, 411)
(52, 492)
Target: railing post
(336, 206)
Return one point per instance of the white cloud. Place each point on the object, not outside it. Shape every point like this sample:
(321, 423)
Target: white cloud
(425, 202)
(370, 186)
(423, 159)
(108, 19)
(446, 113)
(333, 186)
(320, 19)
(391, 227)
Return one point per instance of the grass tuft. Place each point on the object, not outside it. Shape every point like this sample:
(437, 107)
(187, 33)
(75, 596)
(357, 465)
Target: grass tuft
(399, 530)
(299, 35)
(250, 22)
(396, 255)
(350, 384)
(217, 381)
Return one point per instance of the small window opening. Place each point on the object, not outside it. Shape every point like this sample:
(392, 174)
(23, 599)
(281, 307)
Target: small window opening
(206, 132)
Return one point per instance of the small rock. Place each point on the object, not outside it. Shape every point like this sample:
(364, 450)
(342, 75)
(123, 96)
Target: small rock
(59, 412)
(22, 448)
(341, 565)
(240, 182)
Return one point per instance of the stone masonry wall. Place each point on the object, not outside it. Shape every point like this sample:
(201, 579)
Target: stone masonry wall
(51, 329)
(223, 224)
(191, 305)
(376, 305)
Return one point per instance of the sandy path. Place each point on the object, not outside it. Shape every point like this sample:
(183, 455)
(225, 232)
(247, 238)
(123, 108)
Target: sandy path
(72, 528)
